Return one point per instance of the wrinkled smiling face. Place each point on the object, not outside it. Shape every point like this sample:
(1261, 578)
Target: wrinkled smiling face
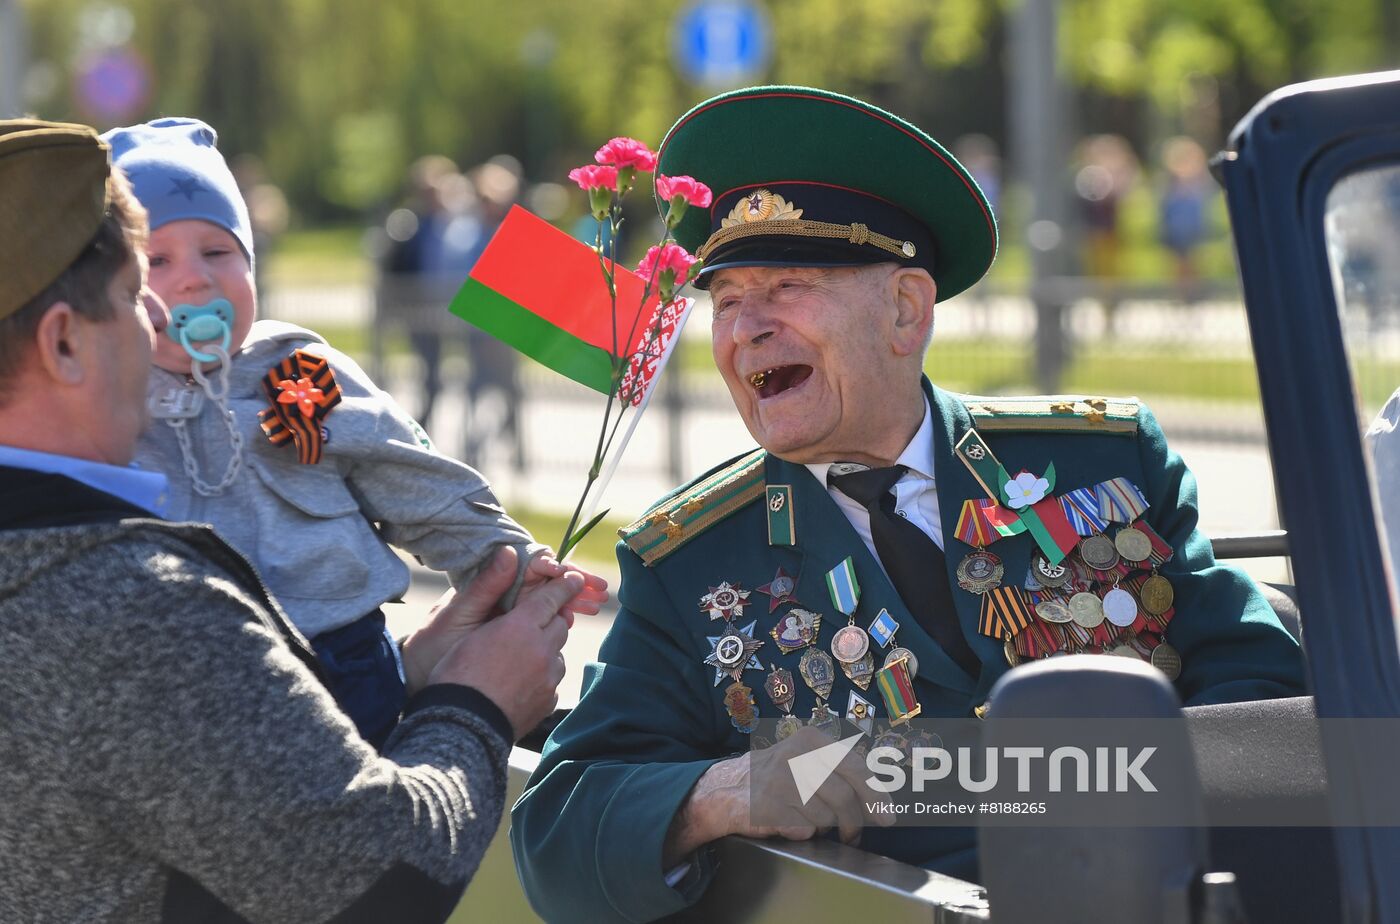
(809, 357)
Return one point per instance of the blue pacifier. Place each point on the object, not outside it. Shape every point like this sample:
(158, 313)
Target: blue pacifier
(190, 324)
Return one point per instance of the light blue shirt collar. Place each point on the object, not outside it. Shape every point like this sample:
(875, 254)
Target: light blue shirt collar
(133, 485)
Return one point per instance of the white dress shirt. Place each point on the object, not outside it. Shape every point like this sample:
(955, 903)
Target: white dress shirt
(916, 496)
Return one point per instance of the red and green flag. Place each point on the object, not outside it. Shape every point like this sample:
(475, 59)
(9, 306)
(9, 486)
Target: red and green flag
(542, 292)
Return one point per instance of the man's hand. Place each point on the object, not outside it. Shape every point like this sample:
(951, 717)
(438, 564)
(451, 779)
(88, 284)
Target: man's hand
(515, 658)
(456, 612)
(588, 601)
(723, 798)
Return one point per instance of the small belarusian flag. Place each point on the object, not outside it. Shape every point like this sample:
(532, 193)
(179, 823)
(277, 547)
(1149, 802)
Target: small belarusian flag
(542, 292)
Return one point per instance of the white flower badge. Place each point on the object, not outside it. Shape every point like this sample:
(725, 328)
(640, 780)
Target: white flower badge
(1024, 490)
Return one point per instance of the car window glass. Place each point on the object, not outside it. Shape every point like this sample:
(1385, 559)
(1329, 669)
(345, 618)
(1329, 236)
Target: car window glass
(1362, 224)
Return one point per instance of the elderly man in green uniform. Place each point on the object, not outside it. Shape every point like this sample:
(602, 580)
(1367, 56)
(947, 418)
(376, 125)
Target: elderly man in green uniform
(896, 546)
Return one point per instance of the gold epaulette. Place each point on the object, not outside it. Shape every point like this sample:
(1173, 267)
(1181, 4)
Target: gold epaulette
(1046, 413)
(692, 510)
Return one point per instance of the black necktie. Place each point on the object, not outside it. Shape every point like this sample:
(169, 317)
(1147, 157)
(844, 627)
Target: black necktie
(915, 563)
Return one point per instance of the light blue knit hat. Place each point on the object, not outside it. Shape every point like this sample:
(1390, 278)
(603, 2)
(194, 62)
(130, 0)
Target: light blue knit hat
(177, 172)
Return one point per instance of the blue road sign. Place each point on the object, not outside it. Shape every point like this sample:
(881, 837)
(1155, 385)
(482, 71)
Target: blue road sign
(722, 43)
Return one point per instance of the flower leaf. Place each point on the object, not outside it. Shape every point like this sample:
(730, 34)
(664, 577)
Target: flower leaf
(576, 537)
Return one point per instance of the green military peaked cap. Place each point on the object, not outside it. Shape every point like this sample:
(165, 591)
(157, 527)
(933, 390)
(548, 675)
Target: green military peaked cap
(802, 176)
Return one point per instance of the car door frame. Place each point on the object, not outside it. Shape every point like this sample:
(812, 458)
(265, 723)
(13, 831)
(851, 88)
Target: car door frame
(1283, 160)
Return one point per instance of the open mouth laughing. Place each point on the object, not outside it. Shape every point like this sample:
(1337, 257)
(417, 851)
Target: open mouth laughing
(770, 383)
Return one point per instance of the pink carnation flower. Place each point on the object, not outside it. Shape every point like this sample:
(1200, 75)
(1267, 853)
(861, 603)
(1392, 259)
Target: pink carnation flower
(692, 190)
(671, 258)
(594, 177)
(626, 152)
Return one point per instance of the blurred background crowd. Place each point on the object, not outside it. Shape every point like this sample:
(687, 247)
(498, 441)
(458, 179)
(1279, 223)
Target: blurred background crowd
(379, 144)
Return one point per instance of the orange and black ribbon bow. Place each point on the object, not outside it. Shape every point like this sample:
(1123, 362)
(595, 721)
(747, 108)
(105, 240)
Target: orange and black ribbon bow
(303, 390)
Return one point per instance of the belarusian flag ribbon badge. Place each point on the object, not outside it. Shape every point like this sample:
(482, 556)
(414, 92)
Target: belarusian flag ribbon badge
(1026, 495)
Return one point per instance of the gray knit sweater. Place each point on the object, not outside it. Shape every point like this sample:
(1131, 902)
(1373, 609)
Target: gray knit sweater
(166, 755)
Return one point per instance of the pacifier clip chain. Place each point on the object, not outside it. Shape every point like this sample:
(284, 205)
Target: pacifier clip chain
(217, 391)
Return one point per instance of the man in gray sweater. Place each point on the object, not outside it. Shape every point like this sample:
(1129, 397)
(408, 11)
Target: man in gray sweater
(166, 749)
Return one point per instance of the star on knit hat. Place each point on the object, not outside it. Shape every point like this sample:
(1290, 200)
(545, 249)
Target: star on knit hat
(186, 186)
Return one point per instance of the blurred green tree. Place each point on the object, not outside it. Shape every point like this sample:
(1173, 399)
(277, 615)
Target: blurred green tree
(338, 96)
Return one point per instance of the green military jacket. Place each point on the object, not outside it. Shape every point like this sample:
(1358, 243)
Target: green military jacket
(588, 832)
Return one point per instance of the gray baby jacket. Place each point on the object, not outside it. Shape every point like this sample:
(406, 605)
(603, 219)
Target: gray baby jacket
(319, 534)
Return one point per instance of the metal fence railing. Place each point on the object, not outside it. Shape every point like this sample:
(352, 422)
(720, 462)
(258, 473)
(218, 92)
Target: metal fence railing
(1188, 358)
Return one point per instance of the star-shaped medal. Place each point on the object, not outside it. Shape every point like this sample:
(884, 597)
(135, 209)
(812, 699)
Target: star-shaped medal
(733, 652)
(725, 601)
(780, 589)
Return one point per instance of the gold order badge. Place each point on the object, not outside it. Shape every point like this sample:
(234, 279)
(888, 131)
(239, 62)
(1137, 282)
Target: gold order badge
(760, 205)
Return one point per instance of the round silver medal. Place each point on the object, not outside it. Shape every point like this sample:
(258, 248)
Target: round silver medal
(910, 661)
(1119, 607)
(849, 644)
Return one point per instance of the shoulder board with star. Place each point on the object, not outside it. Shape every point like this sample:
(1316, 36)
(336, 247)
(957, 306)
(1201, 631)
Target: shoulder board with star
(1054, 413)
(695, 508)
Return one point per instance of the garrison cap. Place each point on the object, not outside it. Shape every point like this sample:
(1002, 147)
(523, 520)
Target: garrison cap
(806, 177)
(53, 196)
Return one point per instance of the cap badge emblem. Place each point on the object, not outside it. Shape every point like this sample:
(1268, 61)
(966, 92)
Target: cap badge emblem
(760, 205)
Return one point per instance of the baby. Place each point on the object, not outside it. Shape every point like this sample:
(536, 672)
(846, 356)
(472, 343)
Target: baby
(286, 446)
